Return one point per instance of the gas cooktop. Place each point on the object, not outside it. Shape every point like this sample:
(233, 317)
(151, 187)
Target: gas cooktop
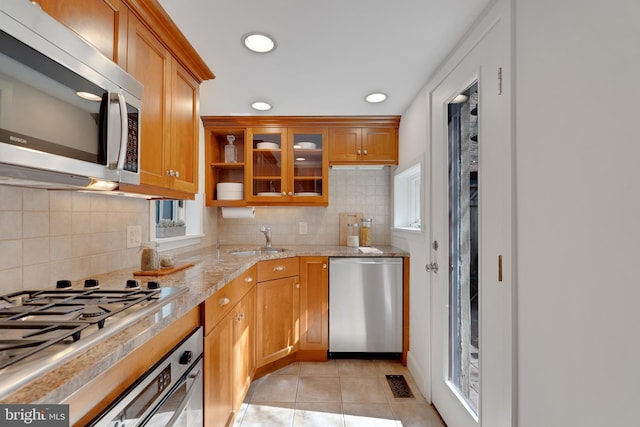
(39, 328)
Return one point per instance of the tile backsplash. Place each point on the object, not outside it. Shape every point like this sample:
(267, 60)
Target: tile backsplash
(366, 191)
(51, 235)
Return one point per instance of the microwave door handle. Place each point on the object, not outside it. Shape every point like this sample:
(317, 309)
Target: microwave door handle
(197, 382)
(123, 132)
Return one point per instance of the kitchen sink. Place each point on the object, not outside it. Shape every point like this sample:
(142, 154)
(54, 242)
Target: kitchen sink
(262, 251)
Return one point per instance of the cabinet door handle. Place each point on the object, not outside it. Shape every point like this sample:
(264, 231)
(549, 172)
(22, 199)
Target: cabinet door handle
(359, 151)
(324, 265)
(297, 285)
(224, 301)
(284, 193)
(177, 174)
(290, 193)
(365, 152)
(279, 268)
(248, 279)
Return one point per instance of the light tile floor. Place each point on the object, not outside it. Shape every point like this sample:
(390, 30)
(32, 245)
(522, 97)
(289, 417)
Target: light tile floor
(337, 393)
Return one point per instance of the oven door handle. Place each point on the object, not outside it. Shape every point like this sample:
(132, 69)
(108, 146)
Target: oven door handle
(195, 383)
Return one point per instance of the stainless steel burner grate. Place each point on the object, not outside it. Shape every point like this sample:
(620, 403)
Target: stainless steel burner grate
(22, 339)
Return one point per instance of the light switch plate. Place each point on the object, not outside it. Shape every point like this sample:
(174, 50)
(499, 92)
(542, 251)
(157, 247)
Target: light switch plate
(302, 227)
(134, 236)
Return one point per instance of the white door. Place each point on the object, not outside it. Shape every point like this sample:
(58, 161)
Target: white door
(470, 218)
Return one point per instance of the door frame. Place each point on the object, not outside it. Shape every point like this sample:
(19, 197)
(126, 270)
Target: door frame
(497, 405)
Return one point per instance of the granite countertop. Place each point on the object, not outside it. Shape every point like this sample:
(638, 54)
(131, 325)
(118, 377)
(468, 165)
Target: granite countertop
(208, 274)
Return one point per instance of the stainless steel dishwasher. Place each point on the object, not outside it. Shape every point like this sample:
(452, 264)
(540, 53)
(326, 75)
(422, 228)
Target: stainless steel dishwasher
(365, 307)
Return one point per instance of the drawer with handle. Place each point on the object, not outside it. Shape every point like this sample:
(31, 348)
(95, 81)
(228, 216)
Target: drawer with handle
(277, 268)
(221, 303)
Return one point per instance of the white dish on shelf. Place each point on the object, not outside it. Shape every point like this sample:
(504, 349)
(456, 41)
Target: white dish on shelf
(230, 191)
(306, 193)
(268, 193)
(230, 186)
(267, 145)
(306, 145)
(229, 195)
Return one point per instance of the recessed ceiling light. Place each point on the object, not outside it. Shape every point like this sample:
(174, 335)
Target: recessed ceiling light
(259, 42)
(375, 97)
(261, 105)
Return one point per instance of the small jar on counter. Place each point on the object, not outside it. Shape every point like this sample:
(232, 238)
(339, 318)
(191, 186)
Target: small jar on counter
(149, 256)
(366, 232)
(352, 236)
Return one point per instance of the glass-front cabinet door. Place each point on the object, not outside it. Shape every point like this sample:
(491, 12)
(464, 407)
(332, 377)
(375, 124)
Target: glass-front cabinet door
(309, 165)
(267, 164)
(288, 165)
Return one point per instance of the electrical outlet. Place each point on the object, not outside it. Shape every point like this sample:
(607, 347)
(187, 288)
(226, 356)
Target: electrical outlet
(302, 227)
(134, 236)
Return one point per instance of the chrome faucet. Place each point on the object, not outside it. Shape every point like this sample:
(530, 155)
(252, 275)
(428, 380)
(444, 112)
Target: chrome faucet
(218, 246)
(267, 235)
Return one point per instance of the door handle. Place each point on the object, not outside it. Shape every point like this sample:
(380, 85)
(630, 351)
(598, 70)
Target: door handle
(432, 267)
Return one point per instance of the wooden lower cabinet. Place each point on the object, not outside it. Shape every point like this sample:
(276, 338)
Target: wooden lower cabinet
(218, 360)
(229, 362)
(278, 306)
(314, 308)
(244, 356)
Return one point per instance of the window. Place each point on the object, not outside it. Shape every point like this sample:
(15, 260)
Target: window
(170, 210)
(407, 201)
(176, 223)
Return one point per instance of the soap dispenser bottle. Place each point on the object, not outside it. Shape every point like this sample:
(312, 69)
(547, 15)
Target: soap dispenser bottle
(230, 153)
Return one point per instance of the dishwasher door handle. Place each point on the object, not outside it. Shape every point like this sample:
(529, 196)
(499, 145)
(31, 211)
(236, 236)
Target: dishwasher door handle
(352, 261)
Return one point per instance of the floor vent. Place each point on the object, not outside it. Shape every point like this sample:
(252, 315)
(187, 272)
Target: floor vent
(399, 386)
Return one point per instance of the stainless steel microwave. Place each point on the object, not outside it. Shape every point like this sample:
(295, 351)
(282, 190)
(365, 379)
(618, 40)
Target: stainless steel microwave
(69, 116)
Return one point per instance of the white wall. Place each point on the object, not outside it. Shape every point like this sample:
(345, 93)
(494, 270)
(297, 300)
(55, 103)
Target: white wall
(413, 135)
(577, 90)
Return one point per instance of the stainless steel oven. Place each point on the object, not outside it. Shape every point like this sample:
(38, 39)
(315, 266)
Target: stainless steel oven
(169, 395)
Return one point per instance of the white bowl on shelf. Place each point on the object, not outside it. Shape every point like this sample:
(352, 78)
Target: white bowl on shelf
(268, 193)
(306, 193)
(306, 145)
(229, 195)
(267, 145)
(230, 191)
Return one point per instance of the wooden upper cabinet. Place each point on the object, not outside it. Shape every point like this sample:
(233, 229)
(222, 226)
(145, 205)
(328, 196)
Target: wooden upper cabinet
(169, 131)
(292, 168)
(150, 63)
(380, 145)
(183, 148)
(103, 23)
(281, 160)
(346, 145)
(363, 145)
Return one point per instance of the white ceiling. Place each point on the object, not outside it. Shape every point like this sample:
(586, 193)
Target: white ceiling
(330, 54)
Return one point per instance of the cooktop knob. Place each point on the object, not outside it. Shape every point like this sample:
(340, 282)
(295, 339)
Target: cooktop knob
(63, 284)
(91, 283)
(153, 285)
(132, 284)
